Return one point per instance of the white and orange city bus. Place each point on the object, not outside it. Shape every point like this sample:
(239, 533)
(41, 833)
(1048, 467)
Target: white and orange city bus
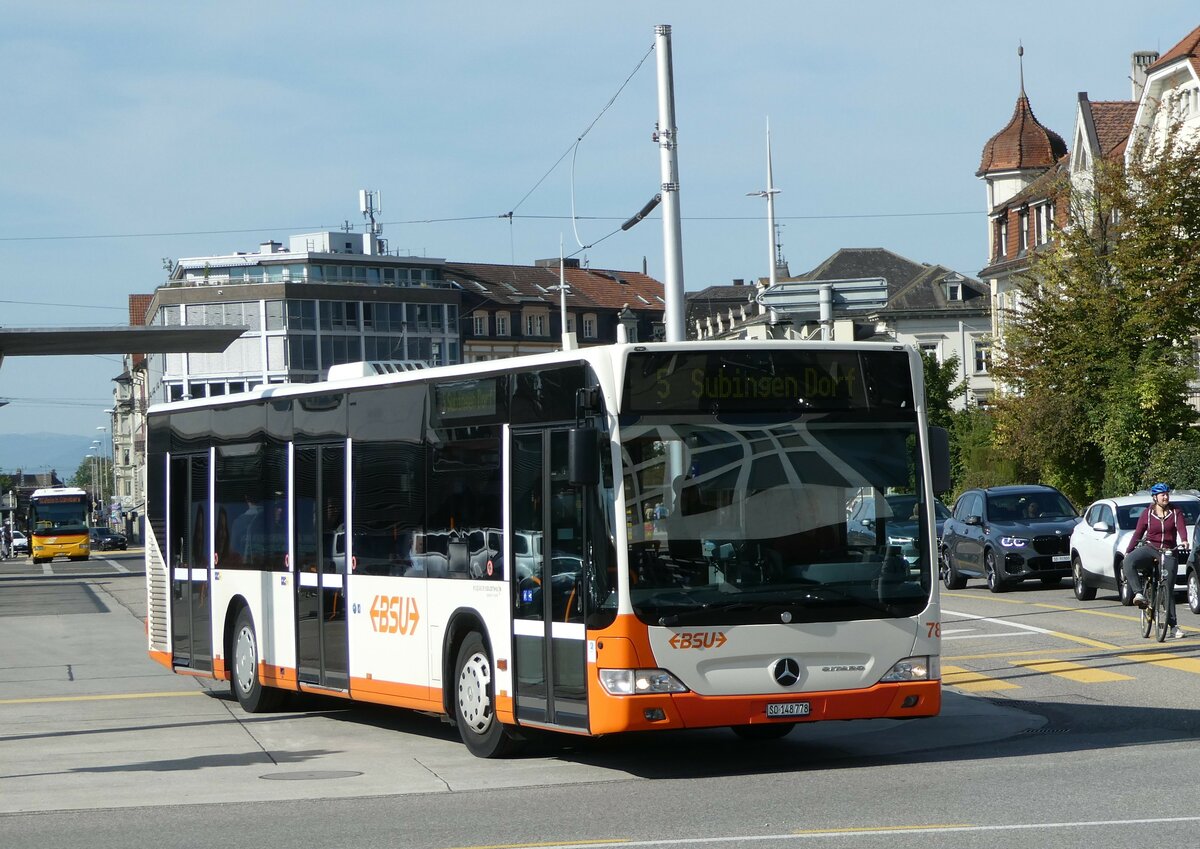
(624, 537)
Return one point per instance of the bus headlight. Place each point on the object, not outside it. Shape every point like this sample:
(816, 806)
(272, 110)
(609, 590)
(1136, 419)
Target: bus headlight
(922, 668)
(633, 682)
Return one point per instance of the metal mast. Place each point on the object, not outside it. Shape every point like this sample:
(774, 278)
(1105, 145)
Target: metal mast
(668, 148)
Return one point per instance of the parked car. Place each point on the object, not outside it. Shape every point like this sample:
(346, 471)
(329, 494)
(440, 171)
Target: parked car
(1008, 534)
(1098, 543)
(20, 543)
(105, 540)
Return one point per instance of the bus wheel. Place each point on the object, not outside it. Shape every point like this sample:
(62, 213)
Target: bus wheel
(244, 682)
(475, 702)
(763, 731)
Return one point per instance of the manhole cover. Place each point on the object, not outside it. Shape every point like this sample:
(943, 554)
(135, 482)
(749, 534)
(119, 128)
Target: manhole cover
(311, 775)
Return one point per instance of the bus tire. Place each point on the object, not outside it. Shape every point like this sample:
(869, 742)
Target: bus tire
(475, 702)
(763, 731)
(244, 682)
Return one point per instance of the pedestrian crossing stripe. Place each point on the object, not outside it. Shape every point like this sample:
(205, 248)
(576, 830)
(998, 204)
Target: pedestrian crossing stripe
(1169, 661)
(973, 682)
(1072, 671)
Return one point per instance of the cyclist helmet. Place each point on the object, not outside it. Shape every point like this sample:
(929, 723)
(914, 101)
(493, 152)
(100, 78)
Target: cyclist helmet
(1159, 489)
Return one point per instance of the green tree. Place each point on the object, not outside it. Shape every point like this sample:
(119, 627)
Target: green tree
(941, 389)
(1176, 462)
(1097, 358)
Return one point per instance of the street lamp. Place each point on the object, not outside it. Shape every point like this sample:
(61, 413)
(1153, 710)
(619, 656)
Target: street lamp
(103, 474)
(91, 458)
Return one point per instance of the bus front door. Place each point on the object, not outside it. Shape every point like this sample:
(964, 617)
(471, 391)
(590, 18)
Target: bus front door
(189, 555)
(322, 647)
(548, 549)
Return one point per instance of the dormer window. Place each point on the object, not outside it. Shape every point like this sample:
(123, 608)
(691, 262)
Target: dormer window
(1023, 224)
(1001, 238)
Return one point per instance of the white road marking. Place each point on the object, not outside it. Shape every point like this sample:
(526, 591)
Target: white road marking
(985, 636)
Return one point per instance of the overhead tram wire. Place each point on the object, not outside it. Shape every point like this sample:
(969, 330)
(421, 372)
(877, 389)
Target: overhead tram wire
(489, 217)
(509, 215)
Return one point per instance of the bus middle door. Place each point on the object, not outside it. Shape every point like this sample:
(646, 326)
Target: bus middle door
(547, 545)
(322, 647)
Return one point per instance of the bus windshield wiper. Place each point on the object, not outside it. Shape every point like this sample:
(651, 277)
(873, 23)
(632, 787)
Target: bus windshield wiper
(699, 611)
(829, 594)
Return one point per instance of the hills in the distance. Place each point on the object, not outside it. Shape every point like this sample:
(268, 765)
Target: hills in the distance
(43, 452)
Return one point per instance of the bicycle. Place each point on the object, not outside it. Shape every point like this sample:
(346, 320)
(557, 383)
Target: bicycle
(1158, 587)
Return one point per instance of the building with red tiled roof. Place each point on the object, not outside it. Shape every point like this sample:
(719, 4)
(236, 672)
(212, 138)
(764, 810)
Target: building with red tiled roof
(1171, 96)
(1030, 200)
(1022, 167)
(509, 310)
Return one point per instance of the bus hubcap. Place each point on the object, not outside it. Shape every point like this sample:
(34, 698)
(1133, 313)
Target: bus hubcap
(473, 700)
(245, 660)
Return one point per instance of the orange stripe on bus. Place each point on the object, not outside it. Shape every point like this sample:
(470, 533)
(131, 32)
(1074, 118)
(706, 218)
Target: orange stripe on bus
(283, 677)
(412, 696)
(506, 709)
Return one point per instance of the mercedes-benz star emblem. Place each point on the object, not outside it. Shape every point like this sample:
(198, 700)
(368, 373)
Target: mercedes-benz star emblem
(787, 672)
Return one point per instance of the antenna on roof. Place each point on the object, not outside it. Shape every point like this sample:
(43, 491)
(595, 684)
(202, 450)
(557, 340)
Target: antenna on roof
(769, 193)
(1021, 64)
(371, 204)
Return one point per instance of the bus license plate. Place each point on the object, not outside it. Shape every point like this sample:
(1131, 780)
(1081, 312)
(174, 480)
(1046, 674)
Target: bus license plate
(788, 709)
(1061, 558)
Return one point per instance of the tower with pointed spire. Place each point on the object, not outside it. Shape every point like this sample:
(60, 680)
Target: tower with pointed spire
(1016, 156)
(1020, 166)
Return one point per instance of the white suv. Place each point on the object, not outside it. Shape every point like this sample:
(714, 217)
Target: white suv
(1098, 543)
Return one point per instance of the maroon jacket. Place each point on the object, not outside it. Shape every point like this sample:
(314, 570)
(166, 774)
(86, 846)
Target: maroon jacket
(1167, 532)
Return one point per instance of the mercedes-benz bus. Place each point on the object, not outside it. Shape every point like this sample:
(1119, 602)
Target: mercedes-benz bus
(618, 538)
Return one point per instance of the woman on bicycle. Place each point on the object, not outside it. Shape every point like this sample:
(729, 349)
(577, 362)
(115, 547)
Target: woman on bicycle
(1165, 529)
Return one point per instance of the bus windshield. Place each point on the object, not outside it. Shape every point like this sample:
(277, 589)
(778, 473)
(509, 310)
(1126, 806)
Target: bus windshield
(792, 521)
(59, 515)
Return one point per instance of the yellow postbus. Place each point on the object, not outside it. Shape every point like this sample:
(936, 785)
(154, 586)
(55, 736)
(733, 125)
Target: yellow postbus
(58, 524)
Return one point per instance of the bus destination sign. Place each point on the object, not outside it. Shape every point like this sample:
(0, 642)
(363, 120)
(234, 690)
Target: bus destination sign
(766, 381)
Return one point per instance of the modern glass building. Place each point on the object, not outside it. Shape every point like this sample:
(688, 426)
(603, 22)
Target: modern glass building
(328, 298)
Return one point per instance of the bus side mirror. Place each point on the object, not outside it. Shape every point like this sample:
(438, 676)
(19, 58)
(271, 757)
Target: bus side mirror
(583, 456)
(939, 459)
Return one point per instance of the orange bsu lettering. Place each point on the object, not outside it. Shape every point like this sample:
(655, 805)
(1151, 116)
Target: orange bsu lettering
(699, 640)
(394, 614)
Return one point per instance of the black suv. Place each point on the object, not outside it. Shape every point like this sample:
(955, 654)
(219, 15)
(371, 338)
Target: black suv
(1008, 534)
(105, 540)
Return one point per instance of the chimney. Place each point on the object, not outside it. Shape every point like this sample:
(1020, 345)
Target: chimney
(739, 281)
(1140, 61)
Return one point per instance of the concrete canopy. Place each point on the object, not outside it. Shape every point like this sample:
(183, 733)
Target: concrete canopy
(72, 341)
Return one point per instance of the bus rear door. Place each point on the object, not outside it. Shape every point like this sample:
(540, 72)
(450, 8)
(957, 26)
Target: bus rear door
(191, 616)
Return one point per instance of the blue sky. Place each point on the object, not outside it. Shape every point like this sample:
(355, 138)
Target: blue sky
(138, 131)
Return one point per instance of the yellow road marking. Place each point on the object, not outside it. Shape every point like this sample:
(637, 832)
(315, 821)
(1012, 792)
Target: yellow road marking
(1073, 671)
(887, 828)
(973, 682)
(104, 698)
(613, 841)
(1083, 641)
(1170, 661)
